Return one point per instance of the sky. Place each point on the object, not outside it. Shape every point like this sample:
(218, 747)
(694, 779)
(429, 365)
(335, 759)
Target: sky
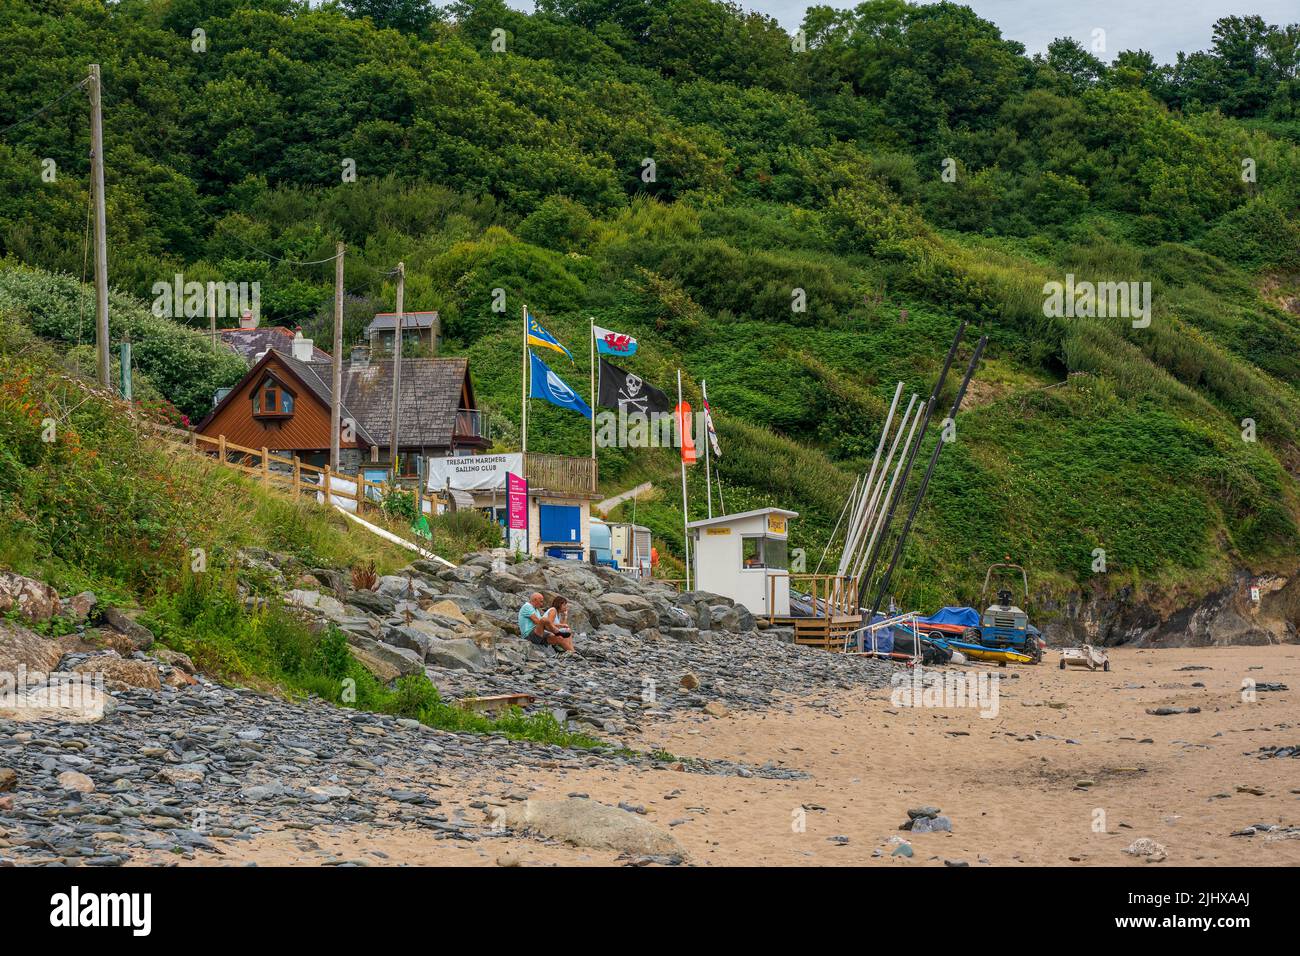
(1164, 27)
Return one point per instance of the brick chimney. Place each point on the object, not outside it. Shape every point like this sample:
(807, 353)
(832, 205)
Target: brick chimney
(247, 320)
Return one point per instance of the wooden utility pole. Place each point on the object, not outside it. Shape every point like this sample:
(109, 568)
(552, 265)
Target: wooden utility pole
(101, 240)
(336, 387)
(393, 445)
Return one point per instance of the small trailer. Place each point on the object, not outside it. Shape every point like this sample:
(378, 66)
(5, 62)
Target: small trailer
(1084, 656)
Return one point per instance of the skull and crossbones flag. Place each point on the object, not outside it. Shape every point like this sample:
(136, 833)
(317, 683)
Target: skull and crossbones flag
(629, 392)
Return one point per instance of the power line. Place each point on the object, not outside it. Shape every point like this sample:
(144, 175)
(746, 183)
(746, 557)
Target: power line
(41, 109)
(290, 262)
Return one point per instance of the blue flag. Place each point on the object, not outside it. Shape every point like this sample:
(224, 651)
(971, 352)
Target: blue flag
(548, 385)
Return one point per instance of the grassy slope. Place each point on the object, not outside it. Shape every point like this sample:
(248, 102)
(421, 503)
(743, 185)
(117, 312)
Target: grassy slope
(101, 507)
(1141, 454)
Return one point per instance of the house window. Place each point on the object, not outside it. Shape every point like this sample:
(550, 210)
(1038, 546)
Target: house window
(272, 399)
(763, 552)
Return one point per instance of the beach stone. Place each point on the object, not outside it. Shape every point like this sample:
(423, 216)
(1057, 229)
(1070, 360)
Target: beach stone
(24, 648)
(690, 681)
(372, 602)
(79, 606)
(76, 781)
(129, 672)
(1147, 849)
(385, 662)
(28, 597)
(459, 654)
(174, 659)
(716, 708)
(449, 609)
(122, 622)
(592, 824)
(8, 779)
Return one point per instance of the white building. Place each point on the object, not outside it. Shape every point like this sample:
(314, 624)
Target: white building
(745, 557)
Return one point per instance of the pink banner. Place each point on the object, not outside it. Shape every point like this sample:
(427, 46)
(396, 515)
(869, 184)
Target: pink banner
(517, 501)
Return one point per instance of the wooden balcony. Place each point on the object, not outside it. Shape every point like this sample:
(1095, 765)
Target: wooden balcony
(470, 423)
(560, 473)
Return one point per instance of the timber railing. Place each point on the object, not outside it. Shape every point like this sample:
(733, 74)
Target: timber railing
(832, 595)
(287, 474)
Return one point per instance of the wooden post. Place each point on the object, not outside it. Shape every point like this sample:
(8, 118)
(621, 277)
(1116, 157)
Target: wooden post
(297, 477)
(101, 240)
(336, 398)
(393, 444)
(221, 444)
(327, 485)
(266, 466)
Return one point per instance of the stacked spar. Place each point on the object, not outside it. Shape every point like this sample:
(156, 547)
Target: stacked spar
(874, 498)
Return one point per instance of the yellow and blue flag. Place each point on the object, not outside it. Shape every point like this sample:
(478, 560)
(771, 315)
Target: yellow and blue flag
(539, 336)
(548, 385)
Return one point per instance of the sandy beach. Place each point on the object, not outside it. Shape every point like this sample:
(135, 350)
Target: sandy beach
(1071, 770)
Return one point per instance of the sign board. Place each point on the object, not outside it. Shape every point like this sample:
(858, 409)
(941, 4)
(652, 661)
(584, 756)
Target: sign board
(776, 524)
(517, 511)
(717, 531)
(473, 472)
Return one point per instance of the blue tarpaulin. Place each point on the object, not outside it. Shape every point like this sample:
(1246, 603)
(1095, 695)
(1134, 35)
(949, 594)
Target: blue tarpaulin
(963, 616)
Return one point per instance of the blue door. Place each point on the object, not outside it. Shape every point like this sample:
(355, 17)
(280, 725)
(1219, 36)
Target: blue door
(560, 523)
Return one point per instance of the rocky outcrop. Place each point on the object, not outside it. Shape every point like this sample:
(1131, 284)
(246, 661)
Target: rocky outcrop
(1229, 615)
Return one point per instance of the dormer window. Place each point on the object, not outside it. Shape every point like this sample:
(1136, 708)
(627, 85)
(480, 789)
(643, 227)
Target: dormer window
(272, 400)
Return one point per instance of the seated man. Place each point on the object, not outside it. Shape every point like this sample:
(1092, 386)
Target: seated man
(536, 629)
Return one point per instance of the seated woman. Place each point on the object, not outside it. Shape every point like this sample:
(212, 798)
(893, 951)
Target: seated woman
(557, 616)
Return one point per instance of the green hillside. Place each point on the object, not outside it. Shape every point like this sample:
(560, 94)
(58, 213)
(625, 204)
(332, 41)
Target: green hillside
(904, 166)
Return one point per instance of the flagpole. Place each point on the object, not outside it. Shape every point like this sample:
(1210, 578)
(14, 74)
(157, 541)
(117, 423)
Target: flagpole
(594, 403)
(523, 385)
(686, 518)
(708, 475)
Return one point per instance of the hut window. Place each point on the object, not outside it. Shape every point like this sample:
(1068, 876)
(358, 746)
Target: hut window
(763, 552)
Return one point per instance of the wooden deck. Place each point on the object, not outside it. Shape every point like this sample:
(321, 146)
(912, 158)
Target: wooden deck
(828, 633)
(834, 599)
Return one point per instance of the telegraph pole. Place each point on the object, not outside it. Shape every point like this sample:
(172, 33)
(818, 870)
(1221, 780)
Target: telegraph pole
(397, 363)
(101, 240)
(336, 398)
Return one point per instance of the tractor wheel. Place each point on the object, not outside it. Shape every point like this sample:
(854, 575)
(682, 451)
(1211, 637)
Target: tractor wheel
(1063, 664)
(1106, 666)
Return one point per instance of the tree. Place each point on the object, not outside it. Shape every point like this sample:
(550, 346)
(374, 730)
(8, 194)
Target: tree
(409, 16)
(1066, 56)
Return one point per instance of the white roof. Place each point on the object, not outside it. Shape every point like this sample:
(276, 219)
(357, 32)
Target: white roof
(727, 519)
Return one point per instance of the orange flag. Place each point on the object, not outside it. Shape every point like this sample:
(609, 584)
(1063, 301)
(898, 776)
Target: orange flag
(683, 413)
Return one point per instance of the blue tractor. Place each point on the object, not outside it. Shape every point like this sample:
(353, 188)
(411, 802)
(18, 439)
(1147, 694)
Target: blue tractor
(1004, 626)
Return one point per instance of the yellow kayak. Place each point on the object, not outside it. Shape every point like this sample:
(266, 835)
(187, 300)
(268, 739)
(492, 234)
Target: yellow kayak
(990, 655)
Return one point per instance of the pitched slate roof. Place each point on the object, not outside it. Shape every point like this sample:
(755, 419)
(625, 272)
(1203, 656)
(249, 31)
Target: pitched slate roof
(430, 396)
(250, 343)
(410, 320)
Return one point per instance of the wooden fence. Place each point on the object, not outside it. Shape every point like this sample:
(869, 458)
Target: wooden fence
(560, 474)
(287, 474)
